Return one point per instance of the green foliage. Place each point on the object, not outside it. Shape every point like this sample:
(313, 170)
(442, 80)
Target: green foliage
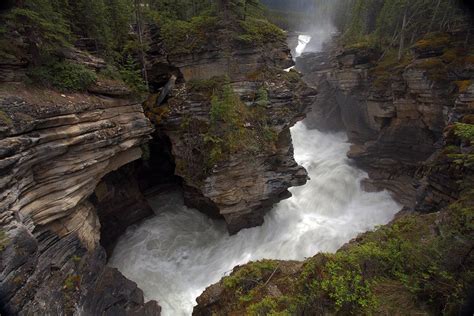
(110, 72)
(236, 128)
(130, 73)
(464, 131)
(262, 97)
(182, 37)
(419, 264)
(63, 75)
(274, 306)
(258, 31)
(406, 252)
(384, 19)
(182, 9)
(252, 272)
(41, 27)
(267, 306)
(346, 286)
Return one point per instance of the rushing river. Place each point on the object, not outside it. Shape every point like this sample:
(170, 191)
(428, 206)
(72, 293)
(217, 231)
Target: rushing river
(175, 255)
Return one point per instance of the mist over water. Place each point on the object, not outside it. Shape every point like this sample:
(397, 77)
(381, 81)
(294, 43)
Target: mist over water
(174, 256)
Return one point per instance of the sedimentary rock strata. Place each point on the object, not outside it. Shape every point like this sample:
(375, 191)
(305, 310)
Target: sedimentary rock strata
(55, 149)
(244, 185)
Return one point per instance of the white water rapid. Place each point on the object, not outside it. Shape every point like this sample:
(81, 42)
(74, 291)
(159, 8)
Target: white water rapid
(303, 40)
(175, 255)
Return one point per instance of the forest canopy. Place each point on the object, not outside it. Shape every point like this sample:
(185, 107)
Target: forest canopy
(38, 30)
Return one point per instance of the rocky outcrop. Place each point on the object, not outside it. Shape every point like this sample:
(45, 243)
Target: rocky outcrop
(55, 149)
(394, 111)
(240, 185)
(448, 172)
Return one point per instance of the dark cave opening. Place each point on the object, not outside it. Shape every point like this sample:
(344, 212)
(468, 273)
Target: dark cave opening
(121, 197)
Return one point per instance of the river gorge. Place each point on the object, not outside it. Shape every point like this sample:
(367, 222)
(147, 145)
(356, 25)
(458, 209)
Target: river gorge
(175, 255)
(236, 157)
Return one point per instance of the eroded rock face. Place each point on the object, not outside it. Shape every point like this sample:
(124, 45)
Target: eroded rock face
(393, 113)
(54, 150)
(242, 186)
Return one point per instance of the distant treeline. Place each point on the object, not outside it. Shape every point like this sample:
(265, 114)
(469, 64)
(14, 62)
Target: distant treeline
(389, 21)
(39, 30)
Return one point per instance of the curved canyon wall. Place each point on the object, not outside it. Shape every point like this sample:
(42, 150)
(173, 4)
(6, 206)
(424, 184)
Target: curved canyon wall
(55, 149)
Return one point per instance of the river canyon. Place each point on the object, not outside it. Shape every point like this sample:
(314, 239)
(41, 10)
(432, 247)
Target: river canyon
(175, 255)
(236, 157)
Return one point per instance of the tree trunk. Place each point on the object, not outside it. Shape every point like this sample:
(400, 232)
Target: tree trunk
(140, 38)
(402, 34)
(434, 16)
(223, 7)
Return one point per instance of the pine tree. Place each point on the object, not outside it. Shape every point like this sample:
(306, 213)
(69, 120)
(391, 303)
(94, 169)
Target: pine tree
(43, 28)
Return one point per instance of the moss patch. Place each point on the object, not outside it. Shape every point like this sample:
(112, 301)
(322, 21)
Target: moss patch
(433, 41)
(389, 66)
(5, 119)
(4, 240)
(463, 85)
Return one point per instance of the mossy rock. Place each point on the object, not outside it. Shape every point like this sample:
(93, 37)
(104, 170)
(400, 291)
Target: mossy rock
(432, 43)
(463, 85)
(5, 119)
(434, 67)
(4, 239)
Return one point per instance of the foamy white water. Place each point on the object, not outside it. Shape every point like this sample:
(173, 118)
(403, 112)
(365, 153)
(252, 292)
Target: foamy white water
(174, 256)
(303, 41)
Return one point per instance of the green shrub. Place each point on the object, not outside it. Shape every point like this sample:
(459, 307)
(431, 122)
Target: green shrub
(63, 75)
(131, 74)
(234, 127)
(253, 272)
(274, 306)
(260, 31)
(183, 37)
(110, 72)
(464, 131)
(262, 97)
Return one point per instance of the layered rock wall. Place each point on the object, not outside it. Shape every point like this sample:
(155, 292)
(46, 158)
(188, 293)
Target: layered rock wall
(244, 185)
(55, 149)
(393, 111)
